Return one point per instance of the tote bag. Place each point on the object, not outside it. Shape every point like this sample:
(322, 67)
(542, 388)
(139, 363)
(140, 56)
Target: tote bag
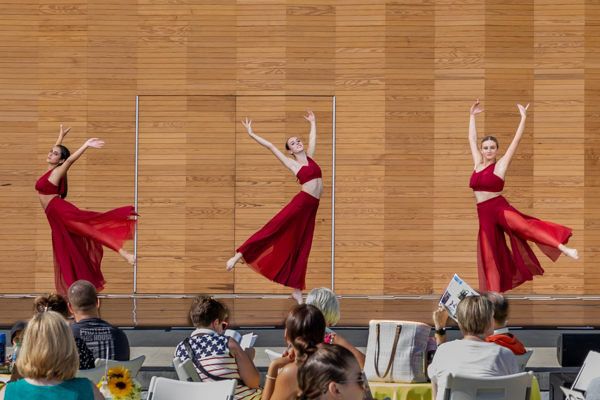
(396, 351)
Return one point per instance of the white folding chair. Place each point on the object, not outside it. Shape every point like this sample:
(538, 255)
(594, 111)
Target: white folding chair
(186, 370)
(523, 359)
(510, 387)
(94, 374)
(132, 365)
(272, 354)
(170, 389)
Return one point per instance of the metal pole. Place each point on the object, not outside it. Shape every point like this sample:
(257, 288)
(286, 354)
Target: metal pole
(137, 120)
(333, 207)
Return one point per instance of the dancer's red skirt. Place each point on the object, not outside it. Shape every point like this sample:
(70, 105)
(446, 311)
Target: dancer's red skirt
(280, 250)
(78, 237)
(501, 269)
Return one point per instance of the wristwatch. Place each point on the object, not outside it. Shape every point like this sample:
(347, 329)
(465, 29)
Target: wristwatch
(441, 331)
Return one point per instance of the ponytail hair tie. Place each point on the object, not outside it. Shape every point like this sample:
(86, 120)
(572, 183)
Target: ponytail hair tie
(302, 395)
(45, 308)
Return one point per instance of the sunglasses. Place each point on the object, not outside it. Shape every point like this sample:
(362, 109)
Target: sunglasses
(224, 325)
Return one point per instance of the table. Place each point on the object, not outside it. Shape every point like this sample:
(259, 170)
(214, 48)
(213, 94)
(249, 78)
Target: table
(422, 391)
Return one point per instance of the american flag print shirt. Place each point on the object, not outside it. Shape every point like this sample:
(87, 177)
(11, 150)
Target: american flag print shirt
(212, 351)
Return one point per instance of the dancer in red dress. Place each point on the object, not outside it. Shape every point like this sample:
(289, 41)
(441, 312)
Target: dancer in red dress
(78, 236)
(280, 250)
(501, 269)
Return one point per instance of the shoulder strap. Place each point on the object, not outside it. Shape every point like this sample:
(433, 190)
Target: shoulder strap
(198, 364)
(378, 350)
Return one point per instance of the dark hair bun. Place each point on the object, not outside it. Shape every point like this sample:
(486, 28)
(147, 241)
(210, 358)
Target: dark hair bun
(305, 348)
(51, 302)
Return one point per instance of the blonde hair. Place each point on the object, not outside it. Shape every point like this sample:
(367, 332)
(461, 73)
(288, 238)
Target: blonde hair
(474, 315)
(48, 349)
(327, 302)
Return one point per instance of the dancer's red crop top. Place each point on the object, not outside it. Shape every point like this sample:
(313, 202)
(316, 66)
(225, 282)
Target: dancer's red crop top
(486, 181)
(44, 186)
(309, 172)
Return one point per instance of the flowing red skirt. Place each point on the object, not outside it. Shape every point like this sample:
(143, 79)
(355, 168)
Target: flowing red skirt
(78, 237)
(501, 269)
(280, 250)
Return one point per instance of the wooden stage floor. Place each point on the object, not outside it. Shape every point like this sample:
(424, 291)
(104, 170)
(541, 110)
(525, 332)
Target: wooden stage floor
(162, 311)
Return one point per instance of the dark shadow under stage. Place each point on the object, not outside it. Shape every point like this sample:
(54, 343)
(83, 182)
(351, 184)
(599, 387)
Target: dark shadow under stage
(165, 311)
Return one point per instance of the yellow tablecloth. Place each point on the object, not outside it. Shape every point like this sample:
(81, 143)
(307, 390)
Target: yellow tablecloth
(422, 391)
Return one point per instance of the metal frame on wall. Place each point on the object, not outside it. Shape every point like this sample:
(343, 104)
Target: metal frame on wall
(137, 131)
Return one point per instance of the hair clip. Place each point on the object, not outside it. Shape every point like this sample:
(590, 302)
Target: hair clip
(45, 308)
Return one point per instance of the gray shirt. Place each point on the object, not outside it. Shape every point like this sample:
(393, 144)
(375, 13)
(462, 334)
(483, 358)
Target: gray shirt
(469, 357)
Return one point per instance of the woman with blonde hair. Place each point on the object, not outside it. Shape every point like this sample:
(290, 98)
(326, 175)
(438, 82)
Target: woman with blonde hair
(48, 361)
(326, 301)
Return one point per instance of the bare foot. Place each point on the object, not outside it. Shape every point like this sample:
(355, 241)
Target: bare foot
(297, 295)
(573, 253)
(130, 258)
(233, 260)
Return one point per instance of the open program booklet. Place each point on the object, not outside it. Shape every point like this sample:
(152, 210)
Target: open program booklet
(456, 291)
(245, 341)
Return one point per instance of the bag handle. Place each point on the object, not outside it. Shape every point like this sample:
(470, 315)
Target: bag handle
(378, 350)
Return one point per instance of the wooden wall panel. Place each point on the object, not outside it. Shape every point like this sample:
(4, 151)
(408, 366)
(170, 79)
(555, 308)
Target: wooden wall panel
(186, 193)
(404, 74)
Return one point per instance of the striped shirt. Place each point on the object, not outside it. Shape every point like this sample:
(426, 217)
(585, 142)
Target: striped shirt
(212, 351)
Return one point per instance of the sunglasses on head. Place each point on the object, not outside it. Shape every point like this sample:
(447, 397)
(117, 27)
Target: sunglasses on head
(362, 381)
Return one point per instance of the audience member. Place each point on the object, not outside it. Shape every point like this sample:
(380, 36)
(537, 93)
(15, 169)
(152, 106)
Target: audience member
(15, 335)
(57, 303)
(48, 361)
(214, 351)
(472, 355)
(304, 327)
(330, 373)
(97, 334)
(326, 301)
(501, 335)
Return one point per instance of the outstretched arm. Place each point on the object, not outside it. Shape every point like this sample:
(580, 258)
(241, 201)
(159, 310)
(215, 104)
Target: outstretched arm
(60, 171)
(505, 161)
(284, 160)
(312, 137)
(477, 157)
(62, 135)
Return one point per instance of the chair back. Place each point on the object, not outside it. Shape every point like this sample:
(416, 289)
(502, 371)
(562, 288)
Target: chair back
(510, 387)
(272, 354)
(523, 359)
(133, 366)
(186, 370)
(95, 374)
(170, 389)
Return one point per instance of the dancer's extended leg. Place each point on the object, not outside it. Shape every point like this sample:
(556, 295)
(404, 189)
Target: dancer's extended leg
(297, 295)
(233, 260)
(531, 229)
(130, 258)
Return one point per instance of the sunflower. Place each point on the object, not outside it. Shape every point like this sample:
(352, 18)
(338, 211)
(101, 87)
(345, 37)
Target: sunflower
(120, 386)
(119, 372)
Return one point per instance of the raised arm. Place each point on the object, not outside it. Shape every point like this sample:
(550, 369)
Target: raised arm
(473, 141)
(60, 171)
(62, 135)
(312, 137)
(284, 160)
(504, 162)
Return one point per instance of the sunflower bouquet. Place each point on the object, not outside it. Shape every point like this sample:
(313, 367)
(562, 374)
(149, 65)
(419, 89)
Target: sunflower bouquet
(121, 385)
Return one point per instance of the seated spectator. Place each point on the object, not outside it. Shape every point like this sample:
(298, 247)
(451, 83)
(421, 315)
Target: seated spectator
(15, 336)
(57, 303)
(471, 355)
(219, 355)
(501, 335)
(97, 334)
(328, 304)
(48, 361)
(305, 326)
(330, 373)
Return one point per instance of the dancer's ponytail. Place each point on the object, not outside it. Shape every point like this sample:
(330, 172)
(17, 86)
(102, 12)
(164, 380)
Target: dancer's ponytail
(64, 154)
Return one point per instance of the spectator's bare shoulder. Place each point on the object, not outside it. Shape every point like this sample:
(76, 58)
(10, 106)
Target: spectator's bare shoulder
(2, 392)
